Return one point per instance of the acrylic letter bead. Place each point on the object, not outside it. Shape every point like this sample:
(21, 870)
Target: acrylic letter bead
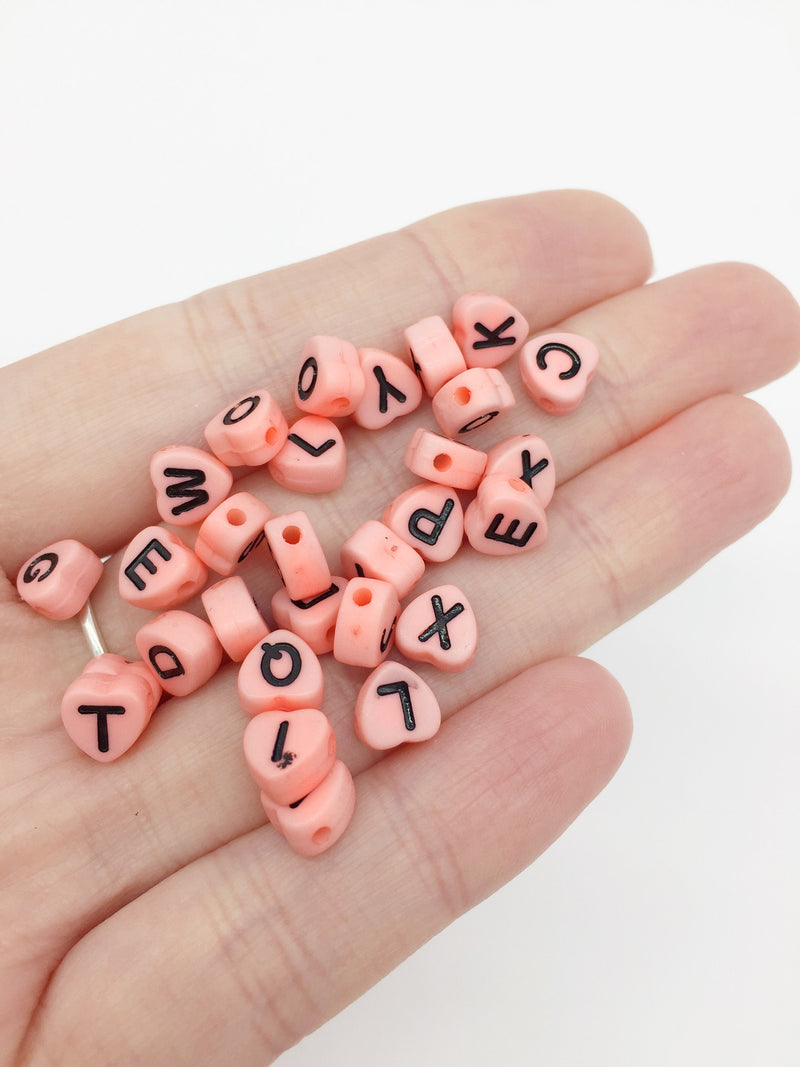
(330, 381)
(288, 753)
(59, 580)
(159, 571)
(434, 353)
(375, 551)
(320, 819)
(280, 673)
(106, 709)
(189, 483)
(438, 627)
(487, 328)
(430, 518)
(314, 458)
(234, 617)
(231, 532)
(391, 389)
(365, 623)
(298, 555)
(313, 619)
(182, 650)
(249, 433)
(556, 369)
(395, 705)
(527, 457)
(506, 517)
(471, 400)
(436, 459)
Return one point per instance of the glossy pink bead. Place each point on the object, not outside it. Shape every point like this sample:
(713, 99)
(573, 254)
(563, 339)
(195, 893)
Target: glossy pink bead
(159, 571)
(375, 551)
(313, 619)
(488, 329)
(527, 457)
(234, 616)
(434, 353)
(391, 389)
(470, 400)
(430, 518)
(189, 483)
(393, 706)
(365, 623)
(106, 709)
(182, 650)
(330, 381)
(438, 627)
(314, 458)
(231, 532)
(288, 753)
(280, 673)
(556, 368)
(437, 459)
(505, 518)
(298, 555)
(59, 579)
(321, 818)
(248, 433)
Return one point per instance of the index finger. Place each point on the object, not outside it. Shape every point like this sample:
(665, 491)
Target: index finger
(81, 417)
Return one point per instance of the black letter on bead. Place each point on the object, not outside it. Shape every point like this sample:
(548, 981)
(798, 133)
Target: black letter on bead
(305, 391)
(493, 338)
(359, 570)
(253, 545)
(508, 537)
(555, 347)
(102, 714)
(386, 636)
(479, 420)
(173, 672)
(149, 566)
(439, 624)
(230, 418)
(529, 472)
(283, 759)
(313, 450)
(33, 572)
(387, 390)
(272, 652)
(304, 605)
(189, 488)
(438, 520)
(401, 688)
(414, 364)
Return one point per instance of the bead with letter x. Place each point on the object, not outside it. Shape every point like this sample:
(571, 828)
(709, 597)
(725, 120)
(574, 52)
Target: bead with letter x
(450, 641)
(441, 619)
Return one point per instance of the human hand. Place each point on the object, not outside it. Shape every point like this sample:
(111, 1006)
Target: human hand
(149, 913)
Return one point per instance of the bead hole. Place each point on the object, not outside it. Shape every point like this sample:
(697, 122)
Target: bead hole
(292, 535)
(236, 517)
(321, 835)
(340, 403)
(271, 436)
(462, 395)
(362, 597)
(518, 485)
(443, 462)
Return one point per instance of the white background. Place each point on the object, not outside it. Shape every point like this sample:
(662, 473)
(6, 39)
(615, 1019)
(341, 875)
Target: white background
(153, 149)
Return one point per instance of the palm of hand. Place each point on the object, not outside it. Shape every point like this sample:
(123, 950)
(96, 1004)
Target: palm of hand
(149, 914)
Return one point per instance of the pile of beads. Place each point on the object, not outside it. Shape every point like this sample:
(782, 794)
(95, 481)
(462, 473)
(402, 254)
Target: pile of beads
(289, 744)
